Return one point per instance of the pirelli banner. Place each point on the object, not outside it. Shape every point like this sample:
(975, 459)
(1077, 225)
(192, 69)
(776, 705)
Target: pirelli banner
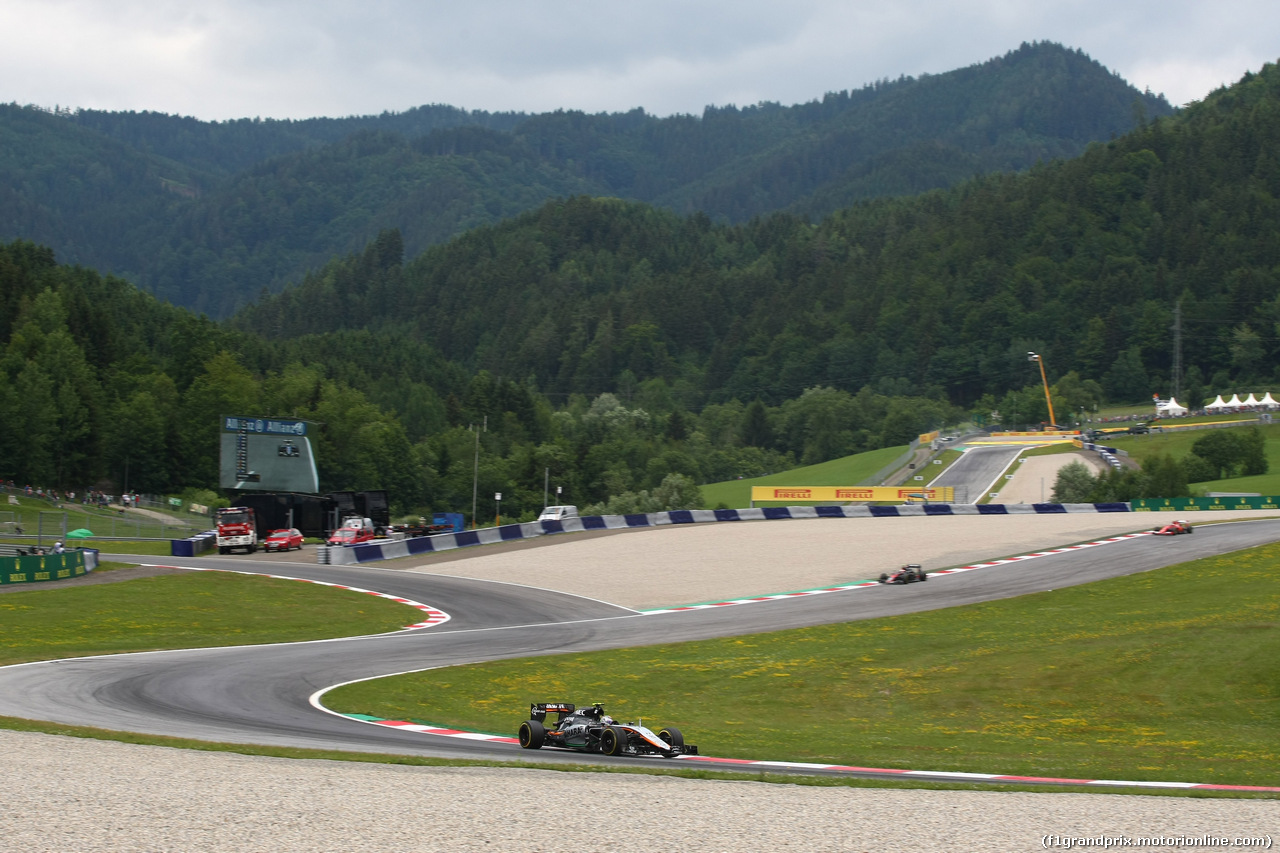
(844, 494)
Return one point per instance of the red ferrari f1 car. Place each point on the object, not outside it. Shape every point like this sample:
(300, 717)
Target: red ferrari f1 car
(906, 574)
(1173, 528)
(590, 729)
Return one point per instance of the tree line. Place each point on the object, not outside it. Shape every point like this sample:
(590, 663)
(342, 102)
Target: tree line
(104, 387)
(1217, 455)
(1086, 262)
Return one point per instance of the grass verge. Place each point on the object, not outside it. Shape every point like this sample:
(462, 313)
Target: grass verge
(1178, 445)
(189, 610)
(144, 547)
(846, 471)
(21, 725)
(1170, 675)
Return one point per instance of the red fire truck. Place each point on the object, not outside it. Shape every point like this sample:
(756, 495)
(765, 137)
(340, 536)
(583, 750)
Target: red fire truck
(237, 528)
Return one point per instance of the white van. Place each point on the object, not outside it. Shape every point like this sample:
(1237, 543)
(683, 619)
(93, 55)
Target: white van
(558, 513)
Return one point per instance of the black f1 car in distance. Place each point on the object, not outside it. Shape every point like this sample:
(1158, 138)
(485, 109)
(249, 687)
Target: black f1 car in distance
(1173, 528)
(906, 574)
(589, 729)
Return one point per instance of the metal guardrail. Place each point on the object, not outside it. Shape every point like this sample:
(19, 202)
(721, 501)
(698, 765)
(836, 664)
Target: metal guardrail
(880, 476)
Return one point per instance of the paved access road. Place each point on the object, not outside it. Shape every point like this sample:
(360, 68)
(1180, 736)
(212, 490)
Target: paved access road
(260, 694)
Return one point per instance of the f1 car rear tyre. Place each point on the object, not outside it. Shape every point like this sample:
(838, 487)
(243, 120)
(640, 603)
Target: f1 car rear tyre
(612, 740)
(672, 736)
(532, 734)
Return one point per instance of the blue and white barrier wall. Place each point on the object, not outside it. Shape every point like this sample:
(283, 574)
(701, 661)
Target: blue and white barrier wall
(372, 552)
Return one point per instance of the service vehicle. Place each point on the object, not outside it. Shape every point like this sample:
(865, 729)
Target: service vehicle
(558, 513)
(907, 574)
(351, 536)
(1173, 528)
(236, 528)
(283, 540)
(590, 729)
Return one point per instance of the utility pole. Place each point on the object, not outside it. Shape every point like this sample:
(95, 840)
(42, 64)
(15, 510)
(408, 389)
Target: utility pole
(475, 479)
(1177, 350)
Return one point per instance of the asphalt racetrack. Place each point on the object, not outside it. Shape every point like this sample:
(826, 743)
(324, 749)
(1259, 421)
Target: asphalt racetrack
(978, 471)
(261, 694)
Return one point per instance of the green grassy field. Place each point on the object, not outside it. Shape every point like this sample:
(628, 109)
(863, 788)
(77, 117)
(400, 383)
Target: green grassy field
(156, 547)
(1169, 675)
(189, 610)
(1178, 444)
(847, 471)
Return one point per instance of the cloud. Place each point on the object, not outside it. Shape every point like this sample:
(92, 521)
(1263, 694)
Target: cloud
(234, 58)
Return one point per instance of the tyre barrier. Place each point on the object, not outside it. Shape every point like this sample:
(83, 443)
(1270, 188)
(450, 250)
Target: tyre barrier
(370, 553)
(1108, 455)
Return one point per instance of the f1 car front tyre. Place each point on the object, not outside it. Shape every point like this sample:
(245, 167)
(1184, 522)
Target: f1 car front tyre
(924, 576)
(532, 734)
(613, 740)
(672, 736)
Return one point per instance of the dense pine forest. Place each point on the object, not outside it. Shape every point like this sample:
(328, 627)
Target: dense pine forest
(631, 351)
(943, 294)
(209, 214)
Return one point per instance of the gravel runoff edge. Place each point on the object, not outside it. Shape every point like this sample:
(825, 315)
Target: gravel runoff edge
(69, 794)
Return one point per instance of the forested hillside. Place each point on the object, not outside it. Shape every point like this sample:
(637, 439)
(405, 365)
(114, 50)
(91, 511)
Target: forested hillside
(942, 295)
(625, 352)
(102, 386)
(208, 215)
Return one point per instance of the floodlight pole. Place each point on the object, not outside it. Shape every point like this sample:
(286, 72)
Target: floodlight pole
(1048, 402)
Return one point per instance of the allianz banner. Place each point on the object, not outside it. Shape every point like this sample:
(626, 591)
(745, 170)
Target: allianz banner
(1202, 504)
(47, 567)
(840, 494)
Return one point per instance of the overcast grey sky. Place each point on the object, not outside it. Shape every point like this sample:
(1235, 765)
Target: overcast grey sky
(221, 59)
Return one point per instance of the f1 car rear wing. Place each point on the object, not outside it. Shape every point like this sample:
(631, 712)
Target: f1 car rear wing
(539, 710)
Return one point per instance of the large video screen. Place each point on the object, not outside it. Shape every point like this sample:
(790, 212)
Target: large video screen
(266, 454)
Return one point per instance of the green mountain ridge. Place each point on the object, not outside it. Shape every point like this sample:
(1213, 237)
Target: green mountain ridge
(1083, 261)
(209, 215)
(625, 352)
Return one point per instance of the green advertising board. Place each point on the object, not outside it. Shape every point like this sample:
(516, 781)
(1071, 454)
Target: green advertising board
(46, 567)
(1233, 503)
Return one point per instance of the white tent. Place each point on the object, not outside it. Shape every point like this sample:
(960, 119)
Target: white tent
(1234, 402)
(1251, 400)
(1217, 405)
(1268, 402)
(1170, 408)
